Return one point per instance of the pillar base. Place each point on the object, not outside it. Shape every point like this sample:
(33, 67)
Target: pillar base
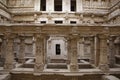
(38, 68)
(104, 67)
(112, 63)
(73, 68)
(92, 61)
(9, 66)
(21, 60)
(68, 61)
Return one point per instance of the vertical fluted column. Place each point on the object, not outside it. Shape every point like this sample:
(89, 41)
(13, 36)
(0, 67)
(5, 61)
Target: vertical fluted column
(39, 55)
(21, 56)
(97, 51)
(111, 51)
(103, 65)
(92, 58)
(37, 5)
(73, 56)
(9, 58)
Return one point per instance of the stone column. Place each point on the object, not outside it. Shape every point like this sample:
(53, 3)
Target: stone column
(97, 51)
(79, 6)
(9, 58)
(37, 5)
(82, 47)
(21, 56)
(50, 5)
(103, 65)
(66, 5)
(73, 51)
(92, 56)
(39, 55)
(111, 51)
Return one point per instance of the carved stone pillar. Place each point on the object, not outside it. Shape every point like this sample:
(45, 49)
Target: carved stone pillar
(97, 51)
(50, 5)
(21, 56)
(92, 56)
(66, 5)
(9, 58)
(103, 65)
(111, 51)
(73, 51)
(37, 5)
(39, 55)
(79, 5)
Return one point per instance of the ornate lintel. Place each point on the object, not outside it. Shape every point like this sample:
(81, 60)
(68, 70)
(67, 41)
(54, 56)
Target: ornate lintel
(103, 36)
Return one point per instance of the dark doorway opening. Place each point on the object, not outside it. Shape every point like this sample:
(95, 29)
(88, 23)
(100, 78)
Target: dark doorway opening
(58, 50)
(58, 5)
(73, 5)
(43, 5)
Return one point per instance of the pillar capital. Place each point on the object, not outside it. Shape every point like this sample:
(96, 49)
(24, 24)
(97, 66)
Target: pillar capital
(103, 36)
(91, 38)
(9, 36)
(39, 35)
(112, 38)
